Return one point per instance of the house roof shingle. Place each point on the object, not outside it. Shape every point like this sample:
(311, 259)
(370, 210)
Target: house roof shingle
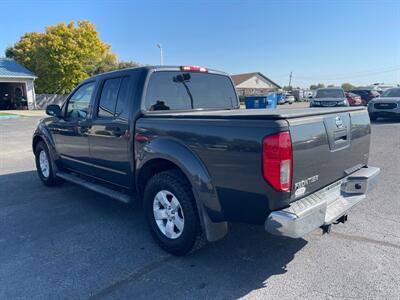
(239, 78)
(9, 68)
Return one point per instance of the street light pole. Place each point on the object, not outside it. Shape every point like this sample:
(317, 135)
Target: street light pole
(161, 54)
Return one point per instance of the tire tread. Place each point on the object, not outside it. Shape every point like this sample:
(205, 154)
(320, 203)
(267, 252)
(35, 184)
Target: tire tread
(52, 180)
(178, 182)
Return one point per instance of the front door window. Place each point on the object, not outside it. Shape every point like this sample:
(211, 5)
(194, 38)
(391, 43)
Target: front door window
(78, 104)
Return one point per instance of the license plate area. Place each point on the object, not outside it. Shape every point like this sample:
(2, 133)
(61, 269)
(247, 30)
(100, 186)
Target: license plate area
(328, 103)
(332, 192)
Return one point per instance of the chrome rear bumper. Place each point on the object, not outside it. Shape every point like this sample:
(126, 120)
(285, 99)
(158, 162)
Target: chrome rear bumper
(324, 206)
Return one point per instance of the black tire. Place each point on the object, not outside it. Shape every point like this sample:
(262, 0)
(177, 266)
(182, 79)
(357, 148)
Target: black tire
(50, 179)
(373, 118)
(191, 237)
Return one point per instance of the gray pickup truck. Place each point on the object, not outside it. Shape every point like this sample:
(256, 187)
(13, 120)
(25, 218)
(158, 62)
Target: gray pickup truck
(176, 139)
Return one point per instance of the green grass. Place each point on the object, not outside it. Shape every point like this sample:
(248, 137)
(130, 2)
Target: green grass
(5, 114)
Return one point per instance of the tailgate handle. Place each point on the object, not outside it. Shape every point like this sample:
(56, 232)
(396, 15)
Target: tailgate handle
(340, 135)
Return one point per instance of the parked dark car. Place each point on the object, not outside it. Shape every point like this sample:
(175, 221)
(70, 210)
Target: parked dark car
(385, 106)
(354, 99)
(329, 97)
(176, 139)
(366, 94)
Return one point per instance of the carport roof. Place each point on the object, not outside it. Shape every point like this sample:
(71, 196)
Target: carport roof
(9, 68)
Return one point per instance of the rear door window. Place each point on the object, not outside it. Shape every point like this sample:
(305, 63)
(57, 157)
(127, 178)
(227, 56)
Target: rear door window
(168, 90)
(114, 99)
(123, 101)
(108, 98)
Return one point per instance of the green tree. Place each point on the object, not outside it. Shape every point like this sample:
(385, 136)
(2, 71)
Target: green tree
(126, 64)
(110, 65)
(347, 86)
(63, 55)
(288, 88)
(317, 86)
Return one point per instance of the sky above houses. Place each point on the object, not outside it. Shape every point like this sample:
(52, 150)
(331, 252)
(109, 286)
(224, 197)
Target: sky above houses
(330, 42)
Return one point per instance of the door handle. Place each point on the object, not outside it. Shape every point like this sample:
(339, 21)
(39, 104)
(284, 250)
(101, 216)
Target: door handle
(83, 129)
(122, 133)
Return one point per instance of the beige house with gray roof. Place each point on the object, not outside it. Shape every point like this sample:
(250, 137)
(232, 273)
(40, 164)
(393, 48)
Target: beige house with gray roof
(253, 84)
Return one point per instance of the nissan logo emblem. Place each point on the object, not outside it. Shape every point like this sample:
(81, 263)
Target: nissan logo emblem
(338, 122)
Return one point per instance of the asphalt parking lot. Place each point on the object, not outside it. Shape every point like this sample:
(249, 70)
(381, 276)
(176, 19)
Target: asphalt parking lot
(68, 242)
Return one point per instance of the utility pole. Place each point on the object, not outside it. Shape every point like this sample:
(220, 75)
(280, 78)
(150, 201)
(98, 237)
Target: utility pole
(290, 79)
(161, 54)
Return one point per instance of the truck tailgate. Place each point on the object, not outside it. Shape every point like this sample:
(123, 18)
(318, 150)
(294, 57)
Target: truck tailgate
(326, 148)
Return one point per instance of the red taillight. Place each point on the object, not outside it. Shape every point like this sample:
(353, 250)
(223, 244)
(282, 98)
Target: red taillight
(277, 161)
(141, 138)
(193, 69)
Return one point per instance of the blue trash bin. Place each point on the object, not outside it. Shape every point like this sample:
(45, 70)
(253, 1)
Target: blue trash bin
(262, 101)
(272, 100)
(252, 102)
(280, 98)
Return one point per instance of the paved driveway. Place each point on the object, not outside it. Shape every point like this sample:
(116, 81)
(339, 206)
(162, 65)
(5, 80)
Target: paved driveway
(68, 242)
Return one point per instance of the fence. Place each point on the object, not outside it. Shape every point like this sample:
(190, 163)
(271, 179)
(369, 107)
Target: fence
(42, 100)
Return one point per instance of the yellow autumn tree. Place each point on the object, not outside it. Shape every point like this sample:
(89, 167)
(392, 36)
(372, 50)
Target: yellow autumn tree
(63, 55)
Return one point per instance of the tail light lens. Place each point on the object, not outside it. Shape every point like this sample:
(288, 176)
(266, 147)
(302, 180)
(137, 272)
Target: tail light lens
(277, 161)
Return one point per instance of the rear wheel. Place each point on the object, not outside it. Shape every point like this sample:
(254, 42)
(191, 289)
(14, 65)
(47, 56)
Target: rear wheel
(44, 165)
(171, 213)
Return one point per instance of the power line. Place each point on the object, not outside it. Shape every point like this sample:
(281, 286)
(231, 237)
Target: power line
(350, 75)
(368, 71)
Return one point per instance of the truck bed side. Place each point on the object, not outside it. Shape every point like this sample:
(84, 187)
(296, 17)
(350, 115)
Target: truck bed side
(231, 152)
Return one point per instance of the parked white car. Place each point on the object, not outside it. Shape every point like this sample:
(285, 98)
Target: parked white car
(290, 99)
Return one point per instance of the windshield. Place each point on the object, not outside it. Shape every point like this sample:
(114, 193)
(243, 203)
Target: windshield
(391, 93)
(169, 90)
(330, 93)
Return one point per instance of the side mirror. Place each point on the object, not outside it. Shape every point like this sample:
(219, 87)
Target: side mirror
(53, 110)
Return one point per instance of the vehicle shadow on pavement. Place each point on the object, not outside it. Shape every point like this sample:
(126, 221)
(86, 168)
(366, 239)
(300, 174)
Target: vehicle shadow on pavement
(242, 262)
(100, 248)
(386, 121)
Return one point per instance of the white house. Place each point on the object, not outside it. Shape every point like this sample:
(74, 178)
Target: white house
(16, 86)
(253, 84)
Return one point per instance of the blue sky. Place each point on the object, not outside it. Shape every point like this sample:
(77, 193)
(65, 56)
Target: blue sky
(319, 41)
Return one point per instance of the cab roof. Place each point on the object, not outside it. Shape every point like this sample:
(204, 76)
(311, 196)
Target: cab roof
(154, 68)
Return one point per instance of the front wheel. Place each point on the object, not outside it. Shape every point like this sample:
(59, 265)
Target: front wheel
(171, 213)
(373, 118)
(44, 165)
